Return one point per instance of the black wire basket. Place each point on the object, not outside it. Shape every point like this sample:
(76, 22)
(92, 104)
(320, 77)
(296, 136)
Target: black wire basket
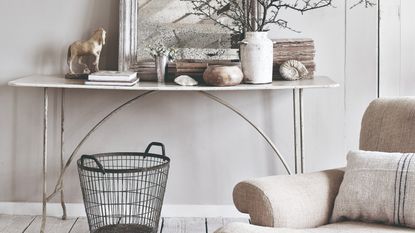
(124, 192)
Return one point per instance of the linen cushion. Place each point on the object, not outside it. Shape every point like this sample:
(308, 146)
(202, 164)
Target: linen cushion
(377, 187)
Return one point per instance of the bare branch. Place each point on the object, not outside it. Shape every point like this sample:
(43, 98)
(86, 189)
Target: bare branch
(240, 12)
(366, 3)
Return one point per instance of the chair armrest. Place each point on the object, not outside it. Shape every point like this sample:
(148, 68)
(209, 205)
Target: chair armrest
(296, 201)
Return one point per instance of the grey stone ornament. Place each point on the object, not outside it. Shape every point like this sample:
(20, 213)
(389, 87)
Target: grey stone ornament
(223, 75)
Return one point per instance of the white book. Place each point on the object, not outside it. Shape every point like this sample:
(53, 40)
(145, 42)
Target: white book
(108, 83)
(113, 76)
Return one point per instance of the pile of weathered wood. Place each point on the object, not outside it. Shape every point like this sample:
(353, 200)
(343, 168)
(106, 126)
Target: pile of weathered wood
(193, 68)
(294, 49)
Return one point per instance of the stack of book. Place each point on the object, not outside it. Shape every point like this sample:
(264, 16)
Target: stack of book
(113, 78)
(294, 49)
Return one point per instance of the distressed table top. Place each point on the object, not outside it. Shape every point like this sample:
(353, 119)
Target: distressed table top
(58, 81)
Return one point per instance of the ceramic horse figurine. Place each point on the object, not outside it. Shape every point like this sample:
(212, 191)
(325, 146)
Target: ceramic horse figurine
(93, 47)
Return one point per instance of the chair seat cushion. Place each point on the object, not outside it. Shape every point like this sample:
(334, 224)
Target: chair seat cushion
(341, 227)
(377, 187)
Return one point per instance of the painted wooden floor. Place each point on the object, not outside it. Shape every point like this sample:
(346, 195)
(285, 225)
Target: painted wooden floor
(31, 224)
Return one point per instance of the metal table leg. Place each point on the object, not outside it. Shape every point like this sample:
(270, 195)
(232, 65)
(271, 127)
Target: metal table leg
(298, 123)
(58, 186)
(45, 156)
(298, 130)
(62, 151)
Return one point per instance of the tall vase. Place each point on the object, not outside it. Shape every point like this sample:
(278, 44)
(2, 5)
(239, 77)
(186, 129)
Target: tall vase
(257, 58)
(161, 66)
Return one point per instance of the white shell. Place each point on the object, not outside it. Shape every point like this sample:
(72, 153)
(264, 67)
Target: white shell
(185, 80)
(293, 70)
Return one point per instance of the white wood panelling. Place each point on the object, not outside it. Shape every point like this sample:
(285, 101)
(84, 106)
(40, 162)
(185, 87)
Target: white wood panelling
(397, 48)
(360, 68)
(390, 48)
(407, 79)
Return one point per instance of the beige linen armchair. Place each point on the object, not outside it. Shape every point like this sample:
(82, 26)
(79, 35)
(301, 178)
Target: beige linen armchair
(304, 203)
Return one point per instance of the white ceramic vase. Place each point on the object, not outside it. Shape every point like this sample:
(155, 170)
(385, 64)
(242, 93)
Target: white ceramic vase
(256, 58)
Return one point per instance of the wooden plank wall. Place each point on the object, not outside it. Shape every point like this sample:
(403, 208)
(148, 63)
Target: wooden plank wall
(397, 47)
(361, 66)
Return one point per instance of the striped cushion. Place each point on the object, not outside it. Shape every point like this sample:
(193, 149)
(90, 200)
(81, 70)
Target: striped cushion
(377, 187)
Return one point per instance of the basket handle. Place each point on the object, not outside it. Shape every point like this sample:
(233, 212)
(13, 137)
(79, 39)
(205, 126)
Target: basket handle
(163, 152)
(83, 157)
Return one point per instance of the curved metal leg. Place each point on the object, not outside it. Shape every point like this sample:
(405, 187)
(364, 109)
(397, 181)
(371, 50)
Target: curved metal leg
(58, 186)
(62, 151)
(259, 130)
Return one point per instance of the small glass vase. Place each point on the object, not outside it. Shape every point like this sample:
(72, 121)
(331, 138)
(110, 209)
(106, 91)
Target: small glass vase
(161, 67)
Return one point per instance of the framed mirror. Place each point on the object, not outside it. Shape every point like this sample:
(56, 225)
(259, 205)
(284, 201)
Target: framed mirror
(145, 23)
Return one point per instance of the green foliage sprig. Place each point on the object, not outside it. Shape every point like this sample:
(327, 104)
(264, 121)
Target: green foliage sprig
(160, 50)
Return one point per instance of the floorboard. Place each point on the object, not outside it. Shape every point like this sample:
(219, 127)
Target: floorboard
(215, 223)
(80, 226)
(184, 225)
(31, 224)
(229, 220)
(160, 225)
(53, 225)
(14, 224)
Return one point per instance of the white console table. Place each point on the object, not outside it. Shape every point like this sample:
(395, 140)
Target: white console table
(147, 88)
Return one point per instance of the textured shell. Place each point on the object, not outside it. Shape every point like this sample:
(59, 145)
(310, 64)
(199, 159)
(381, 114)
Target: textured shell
(185, 80)
(293, 70)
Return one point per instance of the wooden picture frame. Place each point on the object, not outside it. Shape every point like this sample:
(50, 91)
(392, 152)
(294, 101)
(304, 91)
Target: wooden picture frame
(127, 51)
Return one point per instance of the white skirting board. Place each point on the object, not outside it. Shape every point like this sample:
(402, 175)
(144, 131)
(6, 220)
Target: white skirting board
(77, 209)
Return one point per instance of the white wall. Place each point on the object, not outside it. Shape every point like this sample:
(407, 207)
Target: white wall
(361, 68)
(211, 149)
(397, 76)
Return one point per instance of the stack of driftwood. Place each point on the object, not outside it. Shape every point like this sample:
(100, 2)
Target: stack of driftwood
(294, 49)
(146, 70)
(194, 68)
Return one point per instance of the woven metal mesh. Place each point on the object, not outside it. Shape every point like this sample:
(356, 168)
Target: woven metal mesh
(126, 198)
